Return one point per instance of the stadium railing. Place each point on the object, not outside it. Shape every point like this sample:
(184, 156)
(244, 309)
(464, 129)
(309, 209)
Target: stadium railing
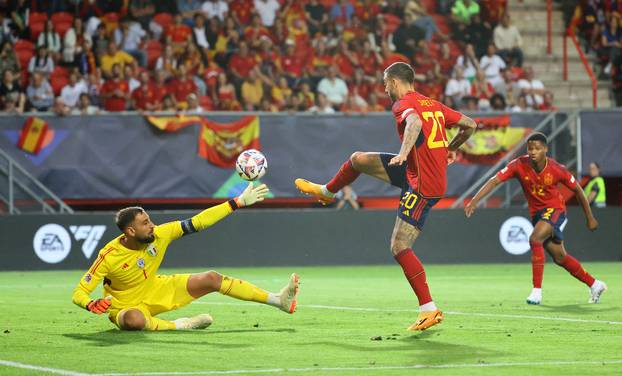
(569, 33)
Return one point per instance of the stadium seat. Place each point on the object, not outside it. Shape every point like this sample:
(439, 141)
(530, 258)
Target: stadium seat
(164, 19)
(58, 83)
(441, 23)
(36, 28)
(37, 17)
(61, 17)
(60, 72)
(392, 22)
(24, 57)
(206, 102)
(62, 27)
(154, 50)
(23, 44)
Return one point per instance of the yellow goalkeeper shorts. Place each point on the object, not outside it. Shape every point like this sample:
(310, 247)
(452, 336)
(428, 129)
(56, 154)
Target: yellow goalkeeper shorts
(168, 293)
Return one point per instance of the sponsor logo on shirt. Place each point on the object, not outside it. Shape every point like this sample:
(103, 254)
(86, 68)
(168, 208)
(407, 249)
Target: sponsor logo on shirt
(88, 277)
(141, 263)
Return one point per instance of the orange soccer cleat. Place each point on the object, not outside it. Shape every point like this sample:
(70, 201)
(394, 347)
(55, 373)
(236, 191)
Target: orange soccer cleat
(426, 320)
(313, 189)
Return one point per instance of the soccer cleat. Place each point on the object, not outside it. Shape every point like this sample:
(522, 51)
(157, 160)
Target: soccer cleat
(313, 189)
(201, 321)
(426, 319)
(596, 290)
(288, 295)
(535, 298)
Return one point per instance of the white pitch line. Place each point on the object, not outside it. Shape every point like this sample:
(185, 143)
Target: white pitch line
(57, 371)
(378, 368)
(500, 315)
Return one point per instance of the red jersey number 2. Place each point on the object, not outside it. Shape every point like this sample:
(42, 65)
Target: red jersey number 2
(437, 138)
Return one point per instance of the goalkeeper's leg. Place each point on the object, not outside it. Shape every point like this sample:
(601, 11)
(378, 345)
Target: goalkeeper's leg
(211, 281)
(135, 319)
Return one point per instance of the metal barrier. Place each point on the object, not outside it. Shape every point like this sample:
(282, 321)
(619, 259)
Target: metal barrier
(569, 33)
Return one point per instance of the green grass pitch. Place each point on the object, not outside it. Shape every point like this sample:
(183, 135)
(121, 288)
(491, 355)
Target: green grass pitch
(488, 329)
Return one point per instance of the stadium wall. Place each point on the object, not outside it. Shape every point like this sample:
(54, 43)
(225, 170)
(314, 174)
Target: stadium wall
(303, 237)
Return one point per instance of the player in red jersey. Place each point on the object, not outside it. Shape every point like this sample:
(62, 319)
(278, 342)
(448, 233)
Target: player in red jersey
(419, 170)
(539, 177)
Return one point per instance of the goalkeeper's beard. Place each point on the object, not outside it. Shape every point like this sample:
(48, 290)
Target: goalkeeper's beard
(146, 240)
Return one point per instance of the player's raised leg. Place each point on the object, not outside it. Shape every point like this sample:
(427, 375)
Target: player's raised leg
(541, 232)
(204, 283)
(359, 162)
(402, 239)
(573, 266)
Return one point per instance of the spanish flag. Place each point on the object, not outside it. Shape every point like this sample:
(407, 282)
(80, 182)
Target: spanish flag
(32, 135)
(493, 139)
(173, 123)
(221, 143)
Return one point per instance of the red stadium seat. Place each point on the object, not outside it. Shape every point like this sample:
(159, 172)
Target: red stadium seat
(36, 29)
(62, 27)
(37, 17)
(60, 72)
(23, 44)
(58, 83)
(164, 19)
(206, 102)
(62, 17)
(24, 57)
(441, 23)
(154, 50)
(392, 22)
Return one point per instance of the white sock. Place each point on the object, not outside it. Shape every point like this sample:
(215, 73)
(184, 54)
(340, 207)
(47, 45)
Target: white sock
(427, 307)
(326, 192)
(274, 299)
(536, 291)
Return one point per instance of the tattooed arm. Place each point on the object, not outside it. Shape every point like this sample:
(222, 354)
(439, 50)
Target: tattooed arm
(411, 133)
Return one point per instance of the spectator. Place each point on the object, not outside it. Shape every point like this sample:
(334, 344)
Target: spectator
(616, 81)
(74, 41)
(84, 106)
(128, 38)
(492, 65)
(20, 13)
(227, 98)
(131, 76)
(215, 8)
(595, 188)
(333, 87)
(169, 104)
(478, 33)
(100, 41)
(291, 63)
(458, 87)
(508, 41)
(521, 104)
(178, 34)
(187, 9)
(114, 57)
(462, 11)
(322, 106)
(193, 104)
(422, 20)
(142, 11)
(199, 34)
(348, 197)
(115, 92)
(268, 106)
(359, 85)
(482, 90)
(354, 104)
(70, 94)
(39, 93)
(5, 29)
(611, 41)
(341, 13)
(95, 83)
(407, 36)
(267, 11)
(241, 63)
(507, 87)
(532, 88)
(41, 62)
(252, 90)
(468, 62)
(167, 63)
(50, 40)
(182, 86)
(497, 102)
(160, 88)
(374, 105)
(281, 93)
(241, 11)
(317, 17)
(8, 60)
(547, 102)
(307, 97)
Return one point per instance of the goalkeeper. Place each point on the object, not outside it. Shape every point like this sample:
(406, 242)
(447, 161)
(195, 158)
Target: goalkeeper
(135, 293)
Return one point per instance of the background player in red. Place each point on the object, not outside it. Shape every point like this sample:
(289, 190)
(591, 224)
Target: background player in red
(419, 170)
(539, 177)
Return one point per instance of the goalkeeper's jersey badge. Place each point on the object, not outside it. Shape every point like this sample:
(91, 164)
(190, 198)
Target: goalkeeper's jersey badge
(141, 263)
(152, 251)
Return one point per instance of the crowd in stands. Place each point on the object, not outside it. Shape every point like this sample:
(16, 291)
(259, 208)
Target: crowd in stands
(598, 24)
(86, 57)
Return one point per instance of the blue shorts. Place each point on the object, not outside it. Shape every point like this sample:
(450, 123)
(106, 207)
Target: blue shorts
(414, 208)
(556, 218)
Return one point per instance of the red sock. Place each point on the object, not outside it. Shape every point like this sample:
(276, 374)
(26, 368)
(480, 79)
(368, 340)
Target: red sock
(415, 274)
(345, 176)
(573, 266)
(537, 263)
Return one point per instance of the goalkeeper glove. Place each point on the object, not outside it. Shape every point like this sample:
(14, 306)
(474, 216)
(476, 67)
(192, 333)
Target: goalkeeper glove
(252, 195)
(99, 306)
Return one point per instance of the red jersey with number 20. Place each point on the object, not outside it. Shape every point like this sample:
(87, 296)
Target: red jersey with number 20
(540, 188)
(427, 161)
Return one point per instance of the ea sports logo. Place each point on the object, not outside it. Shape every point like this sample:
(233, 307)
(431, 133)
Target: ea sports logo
(514, 235)
(52, 243)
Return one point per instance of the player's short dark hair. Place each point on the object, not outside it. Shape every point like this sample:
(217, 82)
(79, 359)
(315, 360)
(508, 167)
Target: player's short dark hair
(125, 216)
(401, 71)
(537, 136)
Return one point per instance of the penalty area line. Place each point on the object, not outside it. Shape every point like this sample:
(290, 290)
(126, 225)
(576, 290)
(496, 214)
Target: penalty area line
(375, 368)
(57, 371)
(479, 314)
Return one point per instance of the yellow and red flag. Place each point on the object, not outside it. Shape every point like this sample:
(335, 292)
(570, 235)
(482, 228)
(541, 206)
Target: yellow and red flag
(173, 123)
(33, 134)
(493, 138)
(221, 143)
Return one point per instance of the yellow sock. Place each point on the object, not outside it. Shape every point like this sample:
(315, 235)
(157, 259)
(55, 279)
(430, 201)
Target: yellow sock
(239, 289)
(154, 323)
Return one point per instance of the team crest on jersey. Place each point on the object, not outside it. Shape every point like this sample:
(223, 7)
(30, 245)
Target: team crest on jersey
(141, 263)
(88, 277)
(152, 251)
(548, 179)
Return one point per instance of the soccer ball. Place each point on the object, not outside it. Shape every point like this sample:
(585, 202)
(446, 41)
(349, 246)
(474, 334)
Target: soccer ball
(251, 164)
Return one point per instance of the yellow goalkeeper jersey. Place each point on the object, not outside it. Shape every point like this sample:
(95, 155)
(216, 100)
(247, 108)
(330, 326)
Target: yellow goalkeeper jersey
(128, 274)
